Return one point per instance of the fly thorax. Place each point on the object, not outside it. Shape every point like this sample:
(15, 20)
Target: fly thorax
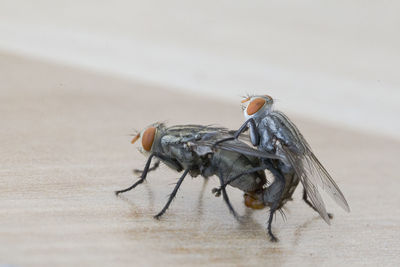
(168, 142)
(267, 141)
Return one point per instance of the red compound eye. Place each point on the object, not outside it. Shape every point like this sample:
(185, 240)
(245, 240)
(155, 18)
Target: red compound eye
(148, 138)
(255, 105)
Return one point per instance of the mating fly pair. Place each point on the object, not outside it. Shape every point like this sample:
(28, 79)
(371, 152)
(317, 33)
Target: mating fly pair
(279, 147)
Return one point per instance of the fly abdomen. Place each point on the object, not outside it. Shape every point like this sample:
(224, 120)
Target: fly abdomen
(231, 164)
(291, 182)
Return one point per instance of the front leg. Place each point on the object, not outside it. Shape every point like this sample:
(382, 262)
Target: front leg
(174, 164)
(272, 196)
(249, 124)
(254, 135)
(154, 167)
(142, 177)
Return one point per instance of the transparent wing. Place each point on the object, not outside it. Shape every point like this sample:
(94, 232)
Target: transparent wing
(210, 135)
(203, 138)
(310, 169)
(243, 148)
(321, 176)
(309, 186)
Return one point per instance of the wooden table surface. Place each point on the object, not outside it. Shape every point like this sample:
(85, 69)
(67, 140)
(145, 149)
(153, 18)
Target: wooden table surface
(65, 147)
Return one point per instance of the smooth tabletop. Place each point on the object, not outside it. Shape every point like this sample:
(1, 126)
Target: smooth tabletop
(65, 148)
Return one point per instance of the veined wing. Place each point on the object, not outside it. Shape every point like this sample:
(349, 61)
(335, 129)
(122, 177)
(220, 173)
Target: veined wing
(213, 134)
(243, 148)
(310, 169)
(309, 186)
(203, 137)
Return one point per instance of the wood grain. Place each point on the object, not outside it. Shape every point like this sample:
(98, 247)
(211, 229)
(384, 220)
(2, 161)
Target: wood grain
(65, 149)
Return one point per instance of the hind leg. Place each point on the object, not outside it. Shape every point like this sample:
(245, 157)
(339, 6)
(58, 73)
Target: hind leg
(272, 196)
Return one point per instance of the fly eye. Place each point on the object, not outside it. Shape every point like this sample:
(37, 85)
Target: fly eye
(148, 138)
(255, 105)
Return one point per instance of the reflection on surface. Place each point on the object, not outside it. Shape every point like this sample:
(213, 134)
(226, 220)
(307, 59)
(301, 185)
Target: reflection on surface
(300, 228)
(201, 198)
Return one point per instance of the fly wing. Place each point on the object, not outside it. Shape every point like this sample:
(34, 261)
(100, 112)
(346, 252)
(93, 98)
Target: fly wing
(214, 134)
(309, 168)
(203, 137)
(243, 148)
(309, 186)
(321, 176)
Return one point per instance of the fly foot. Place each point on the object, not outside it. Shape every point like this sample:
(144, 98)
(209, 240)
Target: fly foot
(216, 191)
(273, 238)
(158, 216)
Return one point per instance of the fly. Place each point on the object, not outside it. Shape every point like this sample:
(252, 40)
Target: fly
(272, 132)
(189, 148)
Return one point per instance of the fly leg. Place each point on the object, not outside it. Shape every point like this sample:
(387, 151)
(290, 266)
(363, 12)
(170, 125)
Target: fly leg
(271, 216)
(147, 168)
(226, 198)
(223, 140)
(142, 177)
(254, 136)
(235, 136)
(217, 191)
(172, 195)
(154, 167)
(305, 198)
(272, 195)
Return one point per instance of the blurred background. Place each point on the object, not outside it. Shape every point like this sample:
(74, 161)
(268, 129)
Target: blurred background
(335, 61)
